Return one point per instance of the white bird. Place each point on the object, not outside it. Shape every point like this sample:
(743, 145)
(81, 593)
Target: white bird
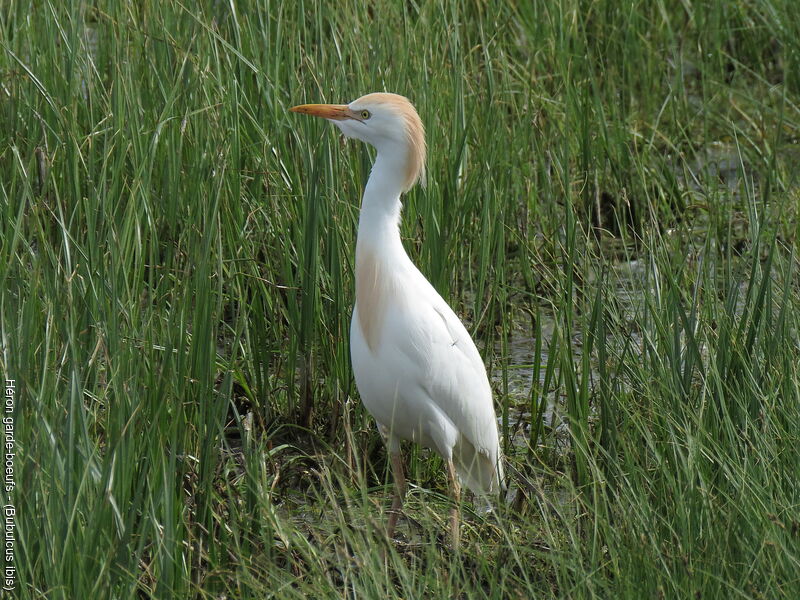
(416, 368)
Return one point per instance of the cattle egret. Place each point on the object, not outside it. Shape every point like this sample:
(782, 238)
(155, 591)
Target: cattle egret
(416, 367)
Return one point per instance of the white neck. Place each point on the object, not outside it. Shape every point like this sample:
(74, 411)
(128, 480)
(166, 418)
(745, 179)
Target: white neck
(379, 221)
(380, 256)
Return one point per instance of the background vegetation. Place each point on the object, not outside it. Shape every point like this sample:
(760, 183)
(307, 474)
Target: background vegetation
(612, 207)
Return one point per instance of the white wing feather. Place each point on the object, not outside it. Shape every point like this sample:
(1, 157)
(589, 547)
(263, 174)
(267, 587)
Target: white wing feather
(427, 382)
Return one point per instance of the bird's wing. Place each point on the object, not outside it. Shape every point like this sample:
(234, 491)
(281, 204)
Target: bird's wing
(451, 372)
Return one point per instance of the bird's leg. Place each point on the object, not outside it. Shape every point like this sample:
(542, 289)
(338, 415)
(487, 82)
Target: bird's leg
(399, 491)
(455, 489)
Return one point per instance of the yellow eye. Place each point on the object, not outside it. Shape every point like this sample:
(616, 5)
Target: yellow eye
(365, 114)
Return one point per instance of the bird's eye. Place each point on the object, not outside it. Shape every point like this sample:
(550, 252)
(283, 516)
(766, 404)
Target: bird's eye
(365, 114)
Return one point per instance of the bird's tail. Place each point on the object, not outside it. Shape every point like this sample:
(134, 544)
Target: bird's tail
(478, 470)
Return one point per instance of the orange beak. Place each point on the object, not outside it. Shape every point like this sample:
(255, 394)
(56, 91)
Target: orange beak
(335, 112)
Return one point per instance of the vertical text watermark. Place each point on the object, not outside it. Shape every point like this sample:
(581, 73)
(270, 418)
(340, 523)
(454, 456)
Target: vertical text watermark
(9, 569)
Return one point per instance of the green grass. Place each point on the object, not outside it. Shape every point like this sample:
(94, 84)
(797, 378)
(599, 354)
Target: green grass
(612, 186)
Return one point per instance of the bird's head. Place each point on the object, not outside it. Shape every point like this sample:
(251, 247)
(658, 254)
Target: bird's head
(388, 122)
